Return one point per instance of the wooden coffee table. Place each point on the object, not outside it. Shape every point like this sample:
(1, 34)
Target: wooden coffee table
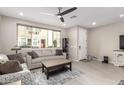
(52, 65)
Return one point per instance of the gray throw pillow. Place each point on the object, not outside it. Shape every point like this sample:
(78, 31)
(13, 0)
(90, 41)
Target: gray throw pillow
(10, 67)
(33, 54)
(59, 52)
(18, 57)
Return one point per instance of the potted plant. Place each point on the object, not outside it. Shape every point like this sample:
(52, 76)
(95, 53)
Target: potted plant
(55, 43)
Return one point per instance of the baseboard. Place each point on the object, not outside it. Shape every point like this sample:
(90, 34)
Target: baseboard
(100, 60)
(111, 62)
(73, 60)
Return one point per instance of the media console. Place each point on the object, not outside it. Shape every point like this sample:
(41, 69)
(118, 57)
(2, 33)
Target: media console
(118, 58)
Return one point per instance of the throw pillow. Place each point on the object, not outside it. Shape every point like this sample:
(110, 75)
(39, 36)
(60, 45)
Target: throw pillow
(58, 52)
(3, 59)
(33, 54)
(10, 67)
(18, 57)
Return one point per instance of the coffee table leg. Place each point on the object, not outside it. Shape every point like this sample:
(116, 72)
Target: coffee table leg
(42, 68)
(47, 74)
(70, 66)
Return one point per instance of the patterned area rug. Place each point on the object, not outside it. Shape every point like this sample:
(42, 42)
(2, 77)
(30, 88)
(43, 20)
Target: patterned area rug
(39, 78)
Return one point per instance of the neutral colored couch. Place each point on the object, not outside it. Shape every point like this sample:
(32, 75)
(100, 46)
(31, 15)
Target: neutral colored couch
(24, 76)
(46, 54)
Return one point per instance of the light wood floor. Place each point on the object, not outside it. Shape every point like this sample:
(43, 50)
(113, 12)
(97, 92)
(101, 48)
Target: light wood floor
(97, 73)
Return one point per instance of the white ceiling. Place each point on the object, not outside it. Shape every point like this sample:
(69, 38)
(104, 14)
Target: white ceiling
(85, 15)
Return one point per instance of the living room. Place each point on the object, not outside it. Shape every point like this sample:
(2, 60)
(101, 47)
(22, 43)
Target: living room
(87, 43)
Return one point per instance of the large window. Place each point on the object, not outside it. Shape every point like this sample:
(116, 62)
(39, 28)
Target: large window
(34, 37)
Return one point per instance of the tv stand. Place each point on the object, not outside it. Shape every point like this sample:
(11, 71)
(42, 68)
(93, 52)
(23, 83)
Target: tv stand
(118, 58)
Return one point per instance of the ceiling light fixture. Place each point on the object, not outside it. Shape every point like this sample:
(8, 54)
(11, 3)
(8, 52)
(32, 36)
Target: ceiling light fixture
(64, 24)
(121, 15)
(59, 16)
(21, 14)
(94, 23)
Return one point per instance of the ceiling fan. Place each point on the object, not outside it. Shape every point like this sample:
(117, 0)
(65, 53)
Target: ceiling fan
(60, 14)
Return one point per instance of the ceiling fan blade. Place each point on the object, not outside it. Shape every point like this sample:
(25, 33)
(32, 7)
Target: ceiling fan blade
(42, 13)
(62, 19)
(68, 11)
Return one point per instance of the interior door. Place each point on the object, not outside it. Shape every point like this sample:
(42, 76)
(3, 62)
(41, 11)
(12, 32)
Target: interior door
(72, 34)
(82, 44)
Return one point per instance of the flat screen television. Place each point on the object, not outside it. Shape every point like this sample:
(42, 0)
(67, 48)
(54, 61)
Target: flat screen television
(122, 42)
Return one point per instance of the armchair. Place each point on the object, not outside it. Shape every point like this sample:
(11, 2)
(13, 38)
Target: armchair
(24, 76)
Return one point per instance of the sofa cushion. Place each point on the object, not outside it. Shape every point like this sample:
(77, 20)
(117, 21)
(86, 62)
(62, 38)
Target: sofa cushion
(37, 60)
(33, 54)
(40, 59)
(58, 52)
(47, 52)
(54, 52)
(10, 67)
(18, 57)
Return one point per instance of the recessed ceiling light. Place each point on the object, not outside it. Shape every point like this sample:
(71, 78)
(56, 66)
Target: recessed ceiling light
(64, 24)
(94, 23)
(121, 15)
(21, 14)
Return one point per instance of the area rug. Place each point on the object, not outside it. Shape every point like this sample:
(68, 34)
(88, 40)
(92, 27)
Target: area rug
(39, 78)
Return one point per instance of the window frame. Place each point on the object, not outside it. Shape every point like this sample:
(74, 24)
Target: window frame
(53, 30)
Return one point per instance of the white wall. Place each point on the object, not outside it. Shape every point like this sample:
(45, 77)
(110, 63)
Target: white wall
(103, 40)
(8, 32)
(0, 34)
